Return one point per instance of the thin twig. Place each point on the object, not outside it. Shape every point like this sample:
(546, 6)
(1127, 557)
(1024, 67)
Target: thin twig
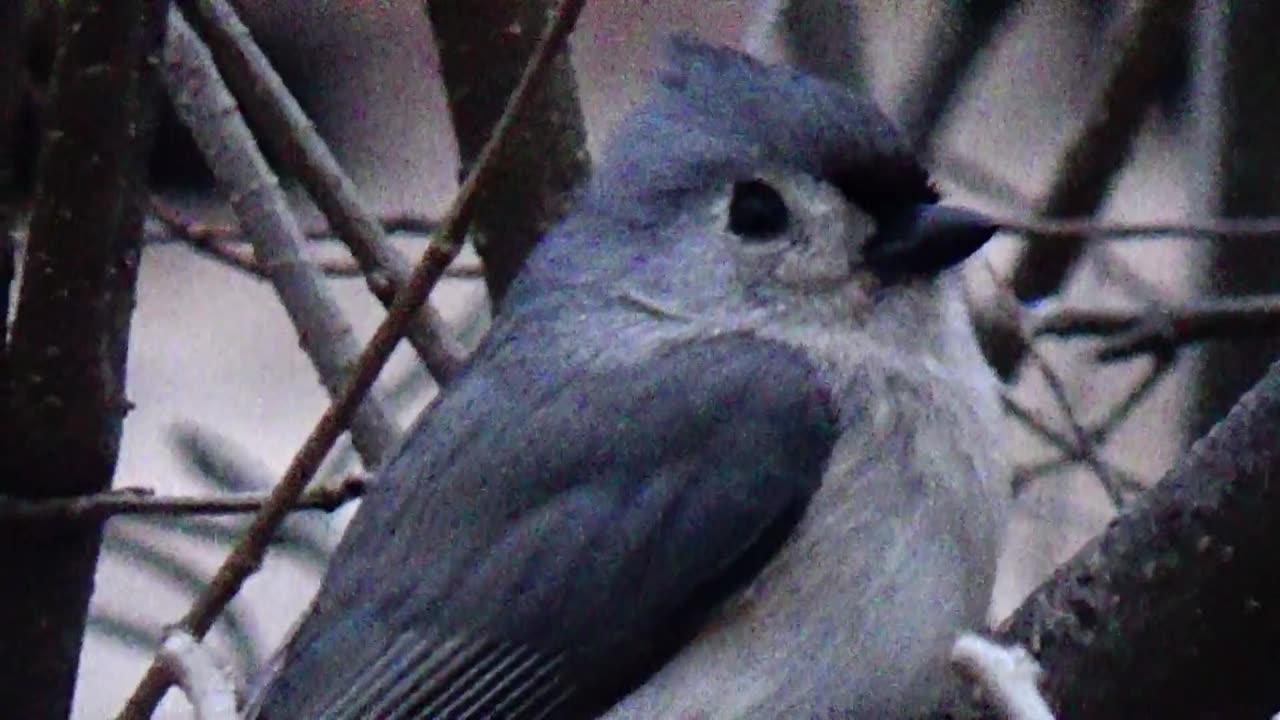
(1115, 271)
(234, 255)
(1129, 482)
(1083, 445)
(1162, 329)
(439, 253)
(144, 501)
(225, 243)
(1071, 451)
(1160, 367)
(1048, 230)
(1087, 449)
(263, 97)
(233, 233)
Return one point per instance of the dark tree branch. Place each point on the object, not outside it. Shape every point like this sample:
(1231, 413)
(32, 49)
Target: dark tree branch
(1072, 452)
(1054, 232)
(143, 501)
(1170, 612)
(955, 44)
(547, 159)
(1236, 102)
(66, 372)
(13, 22)
(205, 107)
(1161, 365)
(1163, 329)
(267, 102)
(440, 252)
(1006, 320)
(1083, 441)
(1142, 47)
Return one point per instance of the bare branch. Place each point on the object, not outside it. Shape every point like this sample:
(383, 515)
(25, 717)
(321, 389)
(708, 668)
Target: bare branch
(548, 159)
(1085, 448)
(64, 380)
(265, 99)
(13, 24)
(1008, 322)
(143, 501)
(1072, 452)
(1182, 577)
(1234, 103)
(1049, 231)
(1142, 48)
(202, 231)
(233, 255)
(1160, 367)
(1161, 329)
(439, 253)
(203, 104)
(225, 244)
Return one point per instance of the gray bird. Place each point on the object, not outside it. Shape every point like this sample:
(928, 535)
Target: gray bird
(728, 450)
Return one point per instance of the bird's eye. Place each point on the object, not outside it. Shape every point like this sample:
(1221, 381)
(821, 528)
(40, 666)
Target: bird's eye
(757, 211)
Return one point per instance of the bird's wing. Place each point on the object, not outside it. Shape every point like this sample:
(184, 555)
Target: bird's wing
(539, 546)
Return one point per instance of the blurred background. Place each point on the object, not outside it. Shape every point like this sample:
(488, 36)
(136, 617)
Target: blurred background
(223, 396)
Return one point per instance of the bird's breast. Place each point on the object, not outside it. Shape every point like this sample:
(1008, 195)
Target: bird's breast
(894, 555)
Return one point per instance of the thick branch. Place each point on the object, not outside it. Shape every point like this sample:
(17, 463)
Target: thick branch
(66, 372)
(267, 102)
(12, 78)
(1236, 103)
(204, 106)
(548, 157)
(439, 254)
(1170, 613)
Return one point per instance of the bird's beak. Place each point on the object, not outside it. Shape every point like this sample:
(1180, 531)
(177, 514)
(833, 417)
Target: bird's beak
(930, 240)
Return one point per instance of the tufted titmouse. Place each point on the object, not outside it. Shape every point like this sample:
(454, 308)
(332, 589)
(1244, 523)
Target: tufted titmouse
(727, 451)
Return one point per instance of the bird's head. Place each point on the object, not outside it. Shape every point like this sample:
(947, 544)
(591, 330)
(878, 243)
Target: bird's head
(740, 182)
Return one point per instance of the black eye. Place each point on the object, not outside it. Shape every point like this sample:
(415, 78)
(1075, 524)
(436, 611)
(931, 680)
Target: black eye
(756, 211)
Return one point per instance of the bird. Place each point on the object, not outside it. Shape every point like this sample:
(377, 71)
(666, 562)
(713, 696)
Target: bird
(729, 448)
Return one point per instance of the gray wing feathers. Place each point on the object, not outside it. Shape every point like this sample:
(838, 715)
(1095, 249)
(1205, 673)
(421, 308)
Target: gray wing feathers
(565, 524)
(459, 678)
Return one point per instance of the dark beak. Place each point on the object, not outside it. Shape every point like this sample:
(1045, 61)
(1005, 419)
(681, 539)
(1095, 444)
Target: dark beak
(928, 241)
